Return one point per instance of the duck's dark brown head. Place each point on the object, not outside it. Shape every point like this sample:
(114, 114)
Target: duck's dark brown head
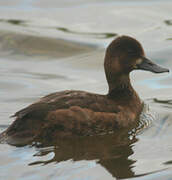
(125, 54)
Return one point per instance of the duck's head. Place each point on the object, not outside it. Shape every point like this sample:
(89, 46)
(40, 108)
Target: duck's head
(125, 54)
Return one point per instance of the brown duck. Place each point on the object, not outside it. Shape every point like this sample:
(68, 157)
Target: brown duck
(80, 113)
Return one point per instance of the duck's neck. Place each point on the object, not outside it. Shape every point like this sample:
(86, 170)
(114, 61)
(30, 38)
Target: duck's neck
(120, 87)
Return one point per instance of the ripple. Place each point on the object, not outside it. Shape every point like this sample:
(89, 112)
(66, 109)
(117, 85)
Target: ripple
(168, 22)
(97, 35)
(146, 119)
(13, 21)
(90, 34)
(168, 162)
(167, 104)
(163, 103)
(26, 45)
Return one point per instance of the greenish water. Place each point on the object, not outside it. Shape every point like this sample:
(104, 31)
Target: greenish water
(48, 46)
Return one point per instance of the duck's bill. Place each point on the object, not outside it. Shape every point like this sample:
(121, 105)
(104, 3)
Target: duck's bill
(148, 65)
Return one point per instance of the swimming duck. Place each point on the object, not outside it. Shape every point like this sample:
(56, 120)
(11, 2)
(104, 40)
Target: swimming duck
(80, 113)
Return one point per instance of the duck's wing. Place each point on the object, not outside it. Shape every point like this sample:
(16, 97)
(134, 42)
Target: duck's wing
(79, 121)
(65, 100)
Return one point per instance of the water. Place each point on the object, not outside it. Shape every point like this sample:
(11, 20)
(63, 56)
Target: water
(48, 46)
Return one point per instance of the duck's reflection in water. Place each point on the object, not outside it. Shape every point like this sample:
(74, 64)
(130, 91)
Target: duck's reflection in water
(110, 151)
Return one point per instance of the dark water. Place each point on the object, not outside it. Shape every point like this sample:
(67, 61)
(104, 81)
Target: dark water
(48, 46)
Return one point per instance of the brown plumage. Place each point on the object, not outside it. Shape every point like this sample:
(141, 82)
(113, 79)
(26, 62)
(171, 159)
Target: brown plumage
(79, 113)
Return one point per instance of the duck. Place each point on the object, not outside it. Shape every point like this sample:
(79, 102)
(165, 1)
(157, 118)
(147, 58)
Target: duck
(79, 113)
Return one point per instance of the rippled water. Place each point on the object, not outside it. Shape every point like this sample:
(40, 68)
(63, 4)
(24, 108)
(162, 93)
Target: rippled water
(47, 46)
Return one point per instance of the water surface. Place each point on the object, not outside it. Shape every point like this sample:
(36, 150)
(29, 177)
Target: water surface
(48, 46)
